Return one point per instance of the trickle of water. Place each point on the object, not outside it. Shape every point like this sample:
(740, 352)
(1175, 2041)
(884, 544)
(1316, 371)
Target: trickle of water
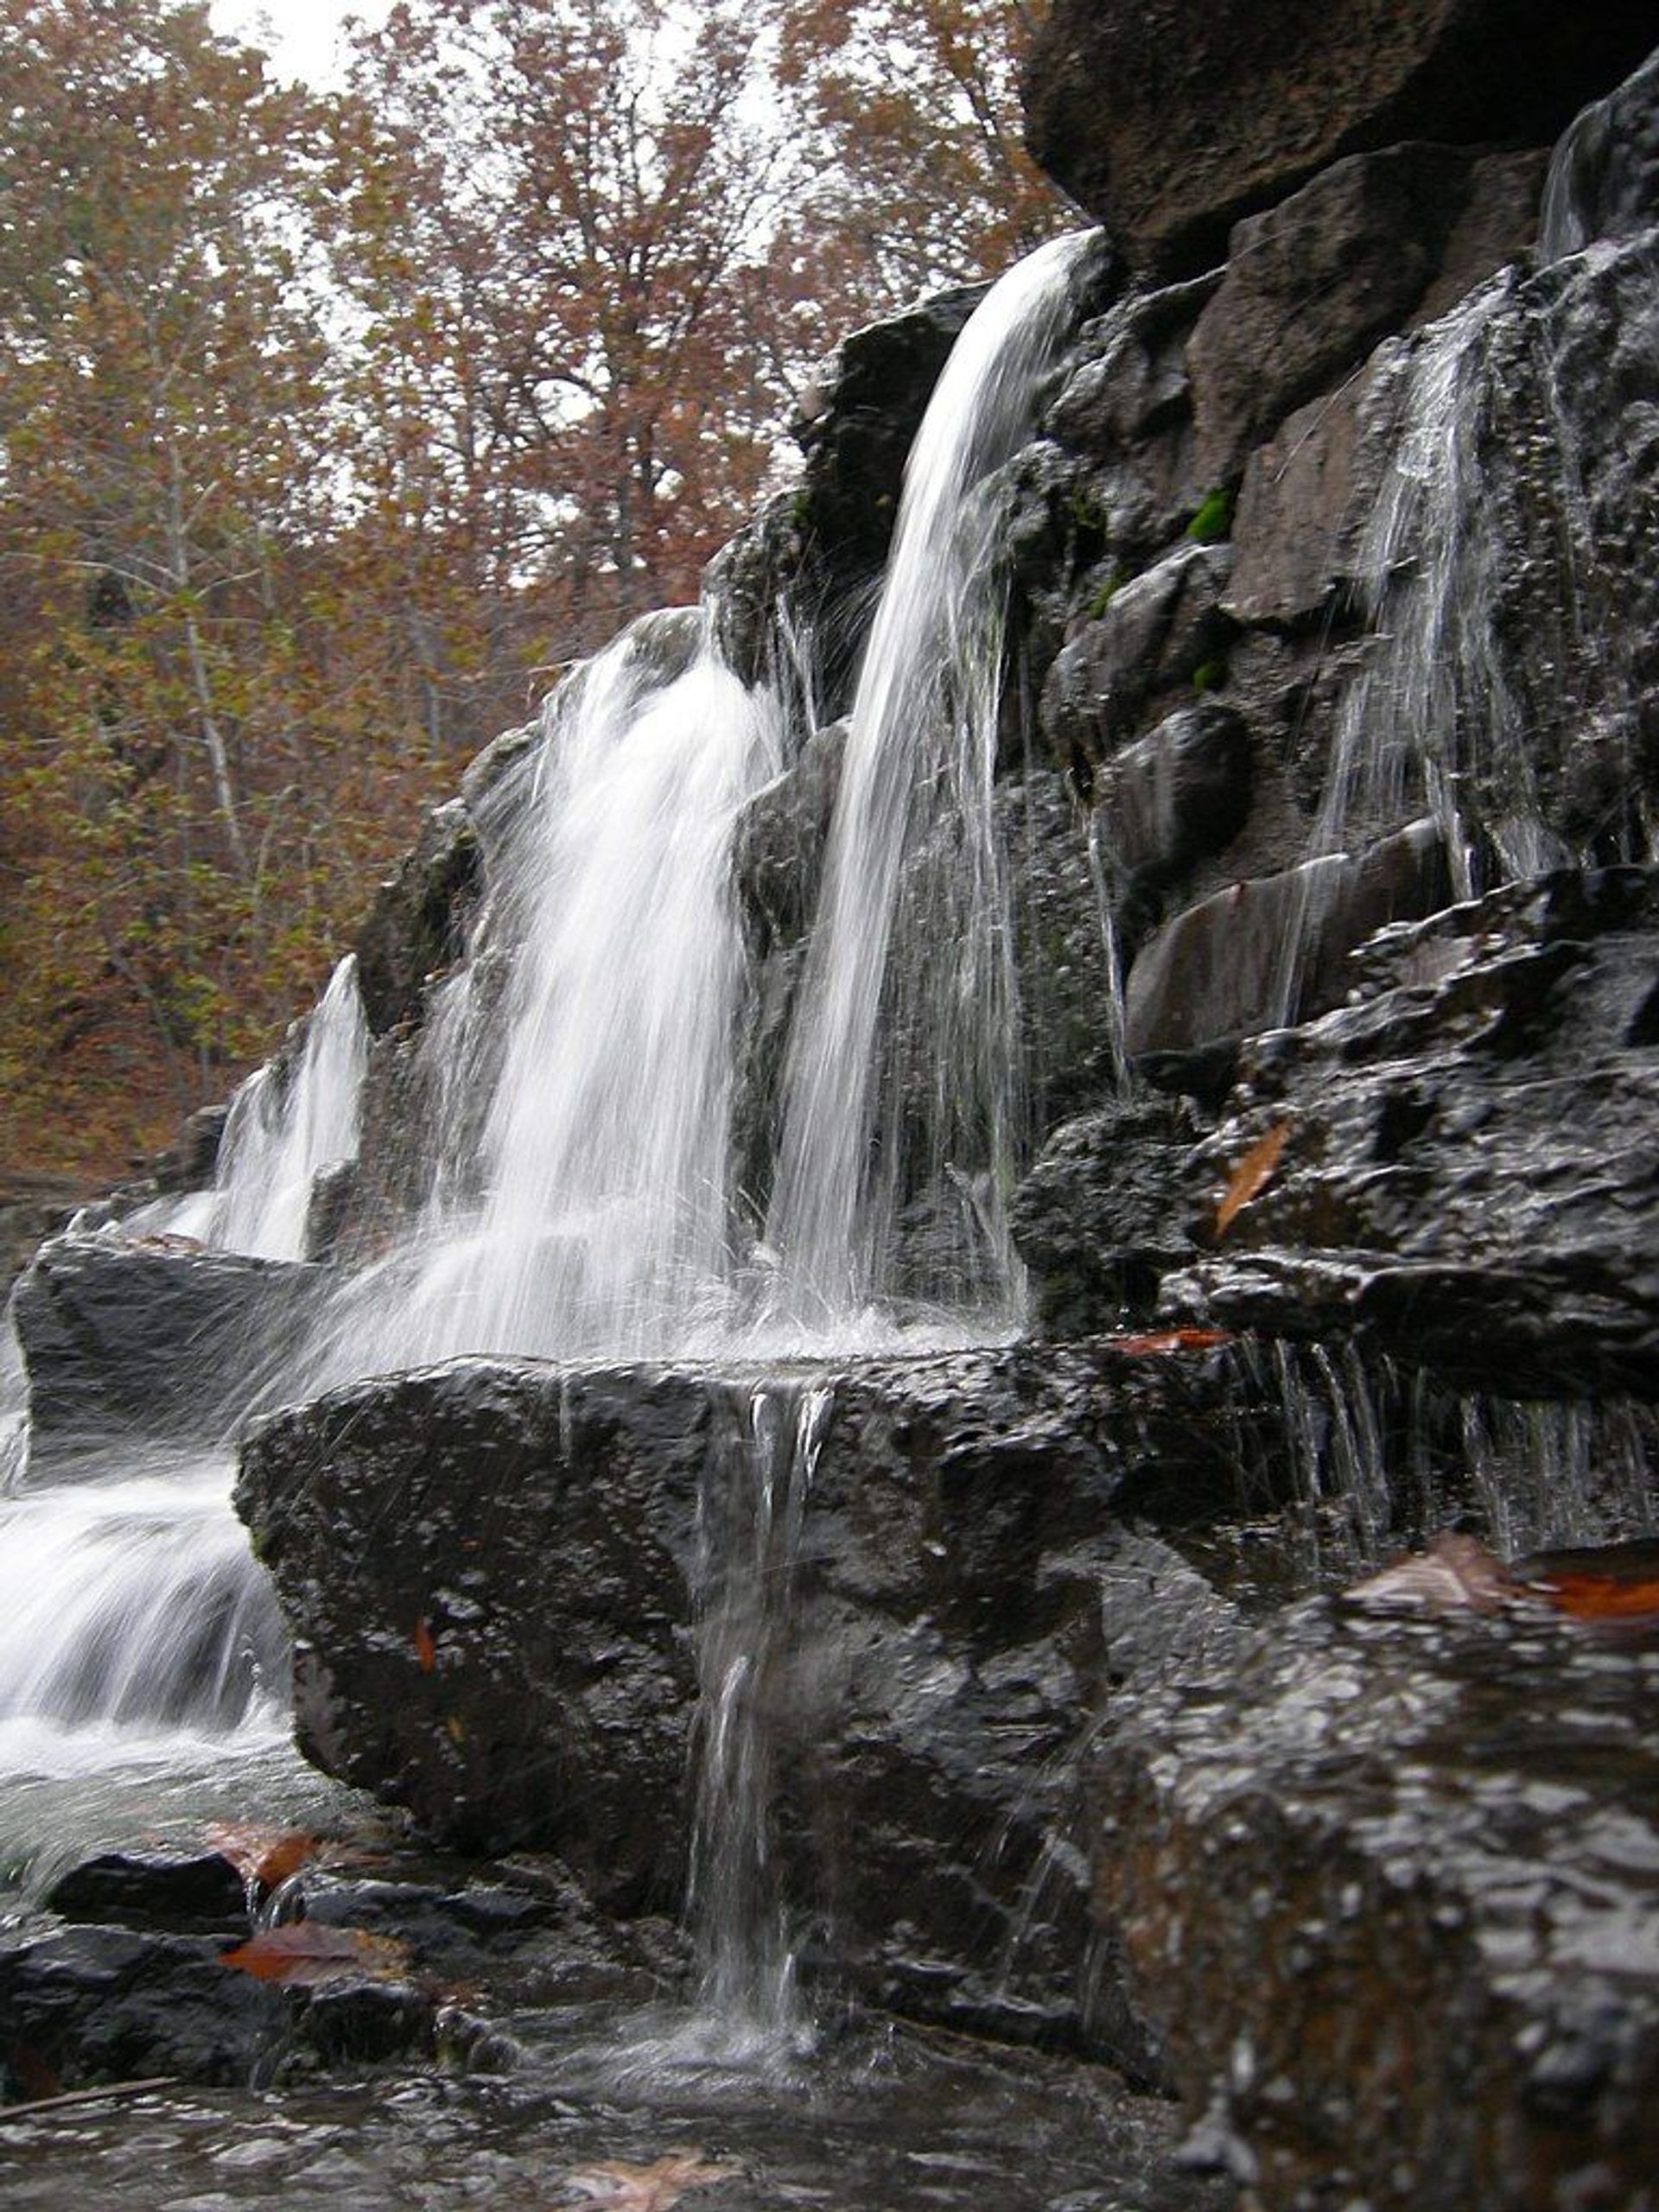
(1547, 1474)
(285, 1125)
(1103, 875)
(13, 1407)
(919, 763)
(751, 1511)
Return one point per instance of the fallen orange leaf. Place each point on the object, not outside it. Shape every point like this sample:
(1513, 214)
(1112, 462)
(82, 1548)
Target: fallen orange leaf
(1165, 1340)
(1251, 1175)
(426, 1648)
(305, 1954)
(1616, 1585)
(618, 2187)
(263, 1856)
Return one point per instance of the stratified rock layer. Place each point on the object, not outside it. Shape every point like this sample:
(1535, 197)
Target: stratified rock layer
(1467, 1175)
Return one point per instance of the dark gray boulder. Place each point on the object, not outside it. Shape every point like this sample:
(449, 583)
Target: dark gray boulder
(1314, 283)
(1604, 178)
(1153, 633)
(89, 2004)
(416, 925)
(1269, 950)
(1384, 1888)
(151, 1342)
(494, 1577)
(1097, 1219)
(1177, 795)
(1169, 122)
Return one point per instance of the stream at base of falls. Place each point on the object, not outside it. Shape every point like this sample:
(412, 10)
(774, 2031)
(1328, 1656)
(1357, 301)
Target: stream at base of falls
(890, 2120)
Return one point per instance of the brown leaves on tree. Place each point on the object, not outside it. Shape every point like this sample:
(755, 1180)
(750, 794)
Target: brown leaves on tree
(1250, 1176)
(615, 2186)
(307, 1954)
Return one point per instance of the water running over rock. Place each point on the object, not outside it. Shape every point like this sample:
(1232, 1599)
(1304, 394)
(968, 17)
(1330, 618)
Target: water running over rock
(920, 760)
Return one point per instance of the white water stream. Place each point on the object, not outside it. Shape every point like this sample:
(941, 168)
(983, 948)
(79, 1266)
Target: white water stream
(920, 759)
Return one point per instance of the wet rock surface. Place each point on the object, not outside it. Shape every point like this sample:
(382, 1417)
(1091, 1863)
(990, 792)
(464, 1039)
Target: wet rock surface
(1389, 1889)
(1464, 1179)
(415, 923)
(160, 1342)
(1170, 121)
(1312, 285)
(493, 1578)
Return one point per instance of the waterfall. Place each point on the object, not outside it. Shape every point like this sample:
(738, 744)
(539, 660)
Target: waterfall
(133, 1608)
(13, 1407)
(287, 1123)
(578, 1200)
(569, 1189)
(752, 1504)
(918, 773)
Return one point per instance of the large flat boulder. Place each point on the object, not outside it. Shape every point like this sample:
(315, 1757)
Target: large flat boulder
(1171, 120)
(505, 1581)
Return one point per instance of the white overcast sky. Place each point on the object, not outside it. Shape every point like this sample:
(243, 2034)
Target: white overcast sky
(298, 34)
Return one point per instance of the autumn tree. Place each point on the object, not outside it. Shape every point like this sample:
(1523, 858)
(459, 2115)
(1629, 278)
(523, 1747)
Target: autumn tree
(174, 827)
(920, 178)
(329, 423)
(550, 210)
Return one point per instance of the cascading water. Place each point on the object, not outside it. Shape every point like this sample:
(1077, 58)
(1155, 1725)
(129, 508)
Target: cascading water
(919, 769)
(1473, 671)
(284, 1128)
(751, 1514)
(577, 1079)
(594, 1214)
(139, 1632)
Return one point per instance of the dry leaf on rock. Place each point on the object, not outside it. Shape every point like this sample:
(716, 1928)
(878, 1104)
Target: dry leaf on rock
(1456, 1574)
(614, 2186)
(1168, 1340)
(1252, 1175)
(1610, 1587)
(263, 1856)
(306, 1954)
